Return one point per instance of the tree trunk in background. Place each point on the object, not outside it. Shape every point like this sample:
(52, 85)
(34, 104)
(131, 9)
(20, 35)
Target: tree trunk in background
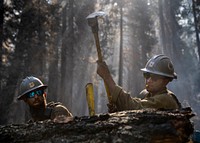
(169, 28)
(53, 82)
(1, 25)
(1, 40)
(170, 40)
(67, 59)
(161, 18)
(196, 23)
(120, 82)
(37, 52)
(166, 25)
(131, 64)
(54, 91)
(63, 56)
(61, 52)
(70, 54)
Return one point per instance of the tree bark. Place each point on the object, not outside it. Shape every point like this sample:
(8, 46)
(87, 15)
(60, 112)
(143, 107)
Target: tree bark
(149, 126)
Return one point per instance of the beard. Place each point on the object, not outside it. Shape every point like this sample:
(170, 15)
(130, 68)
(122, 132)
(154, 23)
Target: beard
(38, 104)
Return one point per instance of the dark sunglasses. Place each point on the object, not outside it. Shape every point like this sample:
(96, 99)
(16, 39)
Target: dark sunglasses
(154, 77)
(32, 93)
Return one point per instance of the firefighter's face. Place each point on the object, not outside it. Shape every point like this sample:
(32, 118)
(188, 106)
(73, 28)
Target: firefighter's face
(35, 98)
(155, 83)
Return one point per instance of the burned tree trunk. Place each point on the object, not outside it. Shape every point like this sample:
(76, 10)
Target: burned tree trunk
(139, 126)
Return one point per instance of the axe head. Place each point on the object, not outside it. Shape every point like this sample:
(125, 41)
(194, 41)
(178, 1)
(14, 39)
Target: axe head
(92, 19)
(95, 14)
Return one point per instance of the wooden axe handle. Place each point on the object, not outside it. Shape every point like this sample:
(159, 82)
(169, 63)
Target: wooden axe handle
(100, 58)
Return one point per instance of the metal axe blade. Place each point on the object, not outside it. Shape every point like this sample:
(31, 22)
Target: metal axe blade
(92, 20)
(96, 14)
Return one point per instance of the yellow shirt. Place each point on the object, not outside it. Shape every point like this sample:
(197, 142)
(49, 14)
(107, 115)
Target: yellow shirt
(124, 101)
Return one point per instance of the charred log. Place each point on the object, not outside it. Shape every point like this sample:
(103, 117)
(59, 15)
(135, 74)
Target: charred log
(138, 126)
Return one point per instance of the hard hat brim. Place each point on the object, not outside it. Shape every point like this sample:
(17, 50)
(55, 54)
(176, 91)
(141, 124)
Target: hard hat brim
(23, 94)
(159, 73)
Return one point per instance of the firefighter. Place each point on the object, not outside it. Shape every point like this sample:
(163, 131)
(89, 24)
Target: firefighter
(32, 92)
(158, 72)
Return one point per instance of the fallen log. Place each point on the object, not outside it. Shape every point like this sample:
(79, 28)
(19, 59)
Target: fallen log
(138, 126)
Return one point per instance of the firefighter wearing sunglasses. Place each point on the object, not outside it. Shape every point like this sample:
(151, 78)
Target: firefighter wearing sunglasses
(158, 72)
(32, 92)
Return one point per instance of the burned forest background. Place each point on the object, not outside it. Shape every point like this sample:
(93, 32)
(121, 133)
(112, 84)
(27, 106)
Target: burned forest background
(50, 39)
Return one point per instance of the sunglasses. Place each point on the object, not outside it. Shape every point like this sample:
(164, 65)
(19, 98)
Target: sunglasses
(154, 77)
(32, 93)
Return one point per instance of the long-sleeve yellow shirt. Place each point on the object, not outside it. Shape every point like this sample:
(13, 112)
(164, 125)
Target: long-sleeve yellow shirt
(164, 100)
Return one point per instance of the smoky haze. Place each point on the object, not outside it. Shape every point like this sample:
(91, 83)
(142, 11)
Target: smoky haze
(131, 32)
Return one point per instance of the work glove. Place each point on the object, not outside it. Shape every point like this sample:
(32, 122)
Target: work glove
(111, 108)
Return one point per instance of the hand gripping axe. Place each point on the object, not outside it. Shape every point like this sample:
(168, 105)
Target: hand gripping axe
(93, 23)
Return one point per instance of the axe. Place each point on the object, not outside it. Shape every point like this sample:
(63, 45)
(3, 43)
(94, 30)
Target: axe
(93, 23)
